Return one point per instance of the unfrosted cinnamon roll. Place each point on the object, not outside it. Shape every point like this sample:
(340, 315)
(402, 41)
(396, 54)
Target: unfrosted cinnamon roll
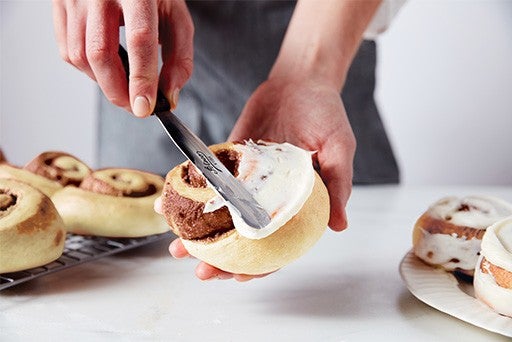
(113, 202)
(280, 177)
(60, 167)
(43, 184)
(450, 232)
(31, 231)
(2, 157)
(493, 274)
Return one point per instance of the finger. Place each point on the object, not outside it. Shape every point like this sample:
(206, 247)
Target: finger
(335, 160)
(157, 205)
(60, 28)
(141, 21)
(76, 36)
(247, 277)
(177, 249)
(102, 41)
(208, 272)
(176, 37)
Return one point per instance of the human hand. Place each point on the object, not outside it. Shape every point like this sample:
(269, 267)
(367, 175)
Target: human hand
(87, 34)
(307, 113)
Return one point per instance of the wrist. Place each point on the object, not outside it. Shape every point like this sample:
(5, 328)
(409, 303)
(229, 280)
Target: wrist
(322, 39)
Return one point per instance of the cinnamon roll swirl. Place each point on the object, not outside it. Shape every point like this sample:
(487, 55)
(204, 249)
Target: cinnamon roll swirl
(493, 274)
(450, 232)
(60, 167)
(31, 231)
(280, 177)
(43, 184)
(113, 202)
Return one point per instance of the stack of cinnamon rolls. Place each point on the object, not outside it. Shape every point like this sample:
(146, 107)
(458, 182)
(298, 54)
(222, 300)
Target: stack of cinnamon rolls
(56, 193)
(473, 236)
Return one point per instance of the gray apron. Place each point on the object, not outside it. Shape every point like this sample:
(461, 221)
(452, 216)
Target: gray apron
(235, 46)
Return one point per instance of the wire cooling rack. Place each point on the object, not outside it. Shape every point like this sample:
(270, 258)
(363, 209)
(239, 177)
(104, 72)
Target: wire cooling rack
(79, 249)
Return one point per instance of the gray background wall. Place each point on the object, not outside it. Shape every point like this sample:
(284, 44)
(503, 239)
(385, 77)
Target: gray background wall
(444, 89)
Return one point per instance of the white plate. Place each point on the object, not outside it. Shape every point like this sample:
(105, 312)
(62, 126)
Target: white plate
(444, 292)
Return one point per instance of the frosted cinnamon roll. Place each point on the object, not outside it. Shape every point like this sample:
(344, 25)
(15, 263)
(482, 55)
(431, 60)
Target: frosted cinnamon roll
(282, 180)
(113, 202)
(493, 274)
(31, 231)
(60, 167)
(450, 232)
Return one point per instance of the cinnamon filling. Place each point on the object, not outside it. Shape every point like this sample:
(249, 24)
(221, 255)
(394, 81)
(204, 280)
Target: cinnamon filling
(438, 226)
(502, 277)
(118, 184)
(7, 200)
(59, 167)
(188, 215)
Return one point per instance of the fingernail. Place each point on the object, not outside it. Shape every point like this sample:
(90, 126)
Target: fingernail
(174, 99)
(141, 106)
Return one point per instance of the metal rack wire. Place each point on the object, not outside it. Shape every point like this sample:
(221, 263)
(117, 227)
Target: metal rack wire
(79, 249)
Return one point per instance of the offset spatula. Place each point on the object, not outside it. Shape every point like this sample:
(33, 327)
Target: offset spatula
(205, 161)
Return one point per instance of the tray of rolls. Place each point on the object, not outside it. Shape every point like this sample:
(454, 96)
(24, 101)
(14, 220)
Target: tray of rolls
(461, 260)
(56, 212)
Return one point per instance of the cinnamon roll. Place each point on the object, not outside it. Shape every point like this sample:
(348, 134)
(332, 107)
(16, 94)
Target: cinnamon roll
(280, 177)
(31, 231)
(493, 274)
(113, 202)
(2, 157)
(450, 232)
(43, 184)
(60, 167)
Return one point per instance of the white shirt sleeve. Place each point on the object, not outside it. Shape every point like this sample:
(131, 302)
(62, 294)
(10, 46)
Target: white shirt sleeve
(382, 18)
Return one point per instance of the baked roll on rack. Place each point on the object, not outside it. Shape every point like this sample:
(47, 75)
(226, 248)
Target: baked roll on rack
(112, 202)
(31, 231)
(48, 172)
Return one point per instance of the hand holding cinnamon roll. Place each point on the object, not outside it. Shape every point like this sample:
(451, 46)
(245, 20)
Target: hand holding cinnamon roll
(31, 231)
(280, 177)
(113, 202)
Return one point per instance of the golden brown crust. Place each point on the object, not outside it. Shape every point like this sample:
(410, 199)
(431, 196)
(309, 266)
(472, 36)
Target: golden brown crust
(97, 213)
(502, 277)
(60, 167)
(234, 253)
(2, 157)
(43, 184)
(31, 231)
(211, 237)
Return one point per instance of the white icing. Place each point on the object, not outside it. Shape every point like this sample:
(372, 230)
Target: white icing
(444, 248)
(279, 176)
(478, 211)
(489, 292)
(497, 244)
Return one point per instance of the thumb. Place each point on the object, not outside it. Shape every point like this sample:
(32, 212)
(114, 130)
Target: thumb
(336, 172)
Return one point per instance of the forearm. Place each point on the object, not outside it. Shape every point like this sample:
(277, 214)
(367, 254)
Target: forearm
(322, 38)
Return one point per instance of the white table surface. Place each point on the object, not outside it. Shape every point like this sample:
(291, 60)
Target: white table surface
(346, 288)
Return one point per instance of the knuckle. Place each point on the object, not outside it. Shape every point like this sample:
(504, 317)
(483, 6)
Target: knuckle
(99, 54)
(77, 57)
(142, 37)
